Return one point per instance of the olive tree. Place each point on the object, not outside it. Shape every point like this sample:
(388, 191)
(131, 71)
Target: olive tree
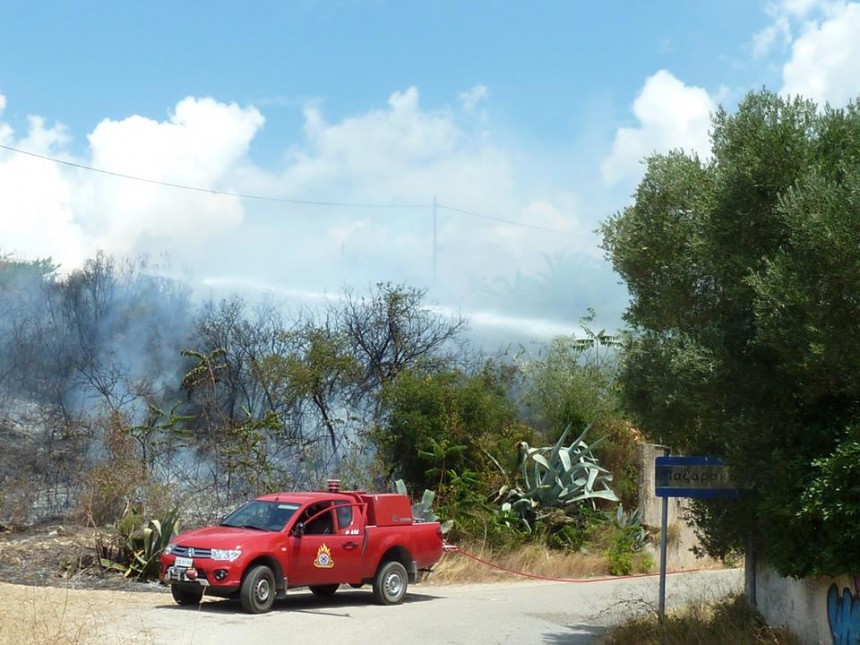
(744, 277)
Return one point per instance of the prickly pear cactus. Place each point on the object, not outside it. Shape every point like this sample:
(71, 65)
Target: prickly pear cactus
(423, 511)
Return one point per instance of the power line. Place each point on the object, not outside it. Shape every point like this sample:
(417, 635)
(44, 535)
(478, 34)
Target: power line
(508, 221)
(302, 202)
(211, 191)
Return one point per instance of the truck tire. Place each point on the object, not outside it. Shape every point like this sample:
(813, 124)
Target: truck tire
(257, 593)
(187, 595)
(389, 584)
(323, 590)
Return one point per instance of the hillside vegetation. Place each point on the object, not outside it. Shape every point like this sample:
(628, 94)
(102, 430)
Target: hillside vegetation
(123, 401)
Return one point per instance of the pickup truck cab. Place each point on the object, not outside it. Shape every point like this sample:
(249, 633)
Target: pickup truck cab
(318, 540)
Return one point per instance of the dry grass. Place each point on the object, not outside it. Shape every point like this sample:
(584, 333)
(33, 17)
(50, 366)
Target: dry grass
(54, 616)
(456, 568)
(728, 621)
(34, 617)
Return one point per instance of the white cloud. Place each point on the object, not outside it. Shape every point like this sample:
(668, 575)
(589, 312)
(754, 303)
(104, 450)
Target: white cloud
(52, 210)
(201, 144)
(406, 154)
(671, 115)
(5, 129)
(779, 31)
(36, 215)
(369, 147)
(398, 153)
(819, 38)
(401, 154)
(470, 99)
(826, 56)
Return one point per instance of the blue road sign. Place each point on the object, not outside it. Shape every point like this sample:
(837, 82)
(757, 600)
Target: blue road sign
(701, 477)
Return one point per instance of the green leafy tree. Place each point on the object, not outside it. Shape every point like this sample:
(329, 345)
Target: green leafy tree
(572, 382)
(744, 276)
(317, 372)
(443, 430)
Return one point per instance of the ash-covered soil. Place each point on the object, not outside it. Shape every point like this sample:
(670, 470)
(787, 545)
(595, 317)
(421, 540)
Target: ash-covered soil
(60, 555)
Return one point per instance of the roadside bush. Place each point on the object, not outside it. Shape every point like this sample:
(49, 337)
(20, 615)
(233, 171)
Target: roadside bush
(619, 454)
(108, 490)
(621, 538)
(119, 486)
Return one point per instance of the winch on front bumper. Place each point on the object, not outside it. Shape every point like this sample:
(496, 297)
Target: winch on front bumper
(203, 571)
(185, 574)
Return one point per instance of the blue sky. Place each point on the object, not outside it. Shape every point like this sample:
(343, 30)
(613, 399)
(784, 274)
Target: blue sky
(534, 113)
(551, 66)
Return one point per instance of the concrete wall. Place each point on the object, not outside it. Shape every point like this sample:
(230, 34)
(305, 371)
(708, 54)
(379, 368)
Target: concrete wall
(818, 610)
(681, 538)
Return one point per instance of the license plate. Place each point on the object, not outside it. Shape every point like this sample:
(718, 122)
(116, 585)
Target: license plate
(185, 563)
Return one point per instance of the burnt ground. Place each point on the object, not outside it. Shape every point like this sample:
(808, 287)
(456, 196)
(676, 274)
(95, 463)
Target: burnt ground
(60, 555)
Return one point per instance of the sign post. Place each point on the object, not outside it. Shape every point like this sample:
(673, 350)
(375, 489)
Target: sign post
(699, 477)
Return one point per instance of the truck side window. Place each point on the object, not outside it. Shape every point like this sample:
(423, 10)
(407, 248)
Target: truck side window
(344, 514)
(321, 524)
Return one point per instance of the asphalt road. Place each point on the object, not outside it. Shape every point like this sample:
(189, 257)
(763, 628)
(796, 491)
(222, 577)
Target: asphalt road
(522, 613)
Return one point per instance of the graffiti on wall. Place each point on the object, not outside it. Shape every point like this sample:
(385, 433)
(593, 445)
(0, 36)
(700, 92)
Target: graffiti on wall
(843, 614)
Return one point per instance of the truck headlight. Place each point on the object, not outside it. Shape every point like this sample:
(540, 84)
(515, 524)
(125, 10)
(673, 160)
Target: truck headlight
(226, 554)
(168, 549)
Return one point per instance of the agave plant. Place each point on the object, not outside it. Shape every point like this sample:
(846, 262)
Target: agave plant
(631, 524)
(556, 477)
(143, 547)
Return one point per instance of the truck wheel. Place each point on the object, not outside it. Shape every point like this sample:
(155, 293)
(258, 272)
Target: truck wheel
(187, 595)
(389, 584)
(323, 590)
(257, 593)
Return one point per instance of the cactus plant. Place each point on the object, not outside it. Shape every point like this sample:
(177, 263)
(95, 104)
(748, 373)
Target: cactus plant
(555, 477)
(423, 511)
(631, 524)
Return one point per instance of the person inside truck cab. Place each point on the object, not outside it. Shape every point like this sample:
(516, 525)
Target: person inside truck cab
(322, 524)
(343, 510)
(326, 523)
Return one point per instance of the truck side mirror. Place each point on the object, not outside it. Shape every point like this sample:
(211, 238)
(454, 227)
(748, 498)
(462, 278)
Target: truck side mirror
(298, 530)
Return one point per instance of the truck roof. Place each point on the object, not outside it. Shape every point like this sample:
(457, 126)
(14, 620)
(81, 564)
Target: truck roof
(306, 496)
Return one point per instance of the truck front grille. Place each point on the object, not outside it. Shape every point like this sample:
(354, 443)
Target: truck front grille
(191, 552)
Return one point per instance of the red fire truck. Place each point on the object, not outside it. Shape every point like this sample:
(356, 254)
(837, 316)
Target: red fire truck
(319, 540)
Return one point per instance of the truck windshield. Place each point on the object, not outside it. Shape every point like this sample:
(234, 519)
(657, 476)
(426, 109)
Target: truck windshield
(265, 516)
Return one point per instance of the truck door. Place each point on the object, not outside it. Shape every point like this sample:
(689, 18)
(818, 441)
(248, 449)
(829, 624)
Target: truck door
(330, 549)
